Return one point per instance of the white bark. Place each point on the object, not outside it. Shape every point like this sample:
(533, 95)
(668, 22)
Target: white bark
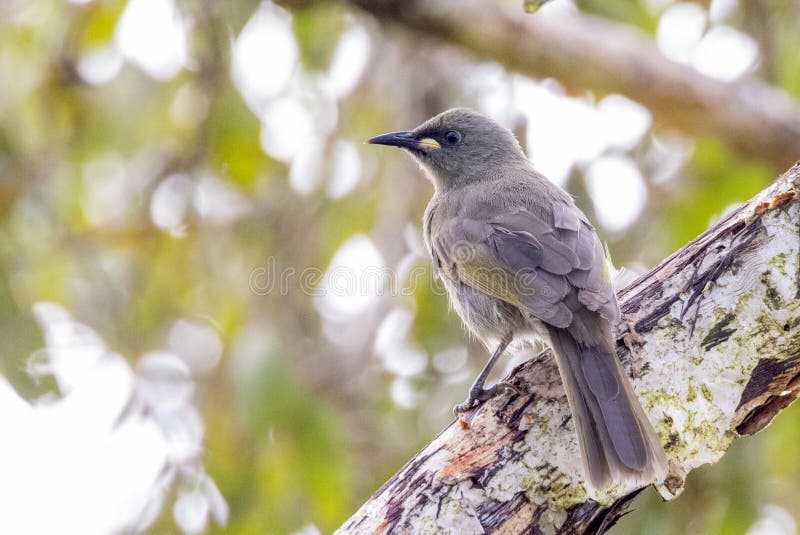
(717, 355)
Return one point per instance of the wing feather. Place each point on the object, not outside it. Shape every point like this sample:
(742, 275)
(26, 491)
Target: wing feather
(528, 261)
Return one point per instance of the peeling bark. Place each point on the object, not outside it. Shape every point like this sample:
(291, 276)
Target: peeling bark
(716, 356)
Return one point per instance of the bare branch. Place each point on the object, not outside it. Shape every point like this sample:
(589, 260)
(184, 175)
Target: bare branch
(717, 355)
(583, 52)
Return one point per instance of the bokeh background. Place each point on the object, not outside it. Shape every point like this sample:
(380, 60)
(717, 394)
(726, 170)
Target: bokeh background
(216, 313)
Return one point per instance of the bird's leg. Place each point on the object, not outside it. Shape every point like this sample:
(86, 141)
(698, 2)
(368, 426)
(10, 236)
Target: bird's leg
(477, 392)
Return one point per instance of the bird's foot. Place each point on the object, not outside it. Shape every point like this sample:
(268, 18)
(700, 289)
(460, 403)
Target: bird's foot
(479, 394)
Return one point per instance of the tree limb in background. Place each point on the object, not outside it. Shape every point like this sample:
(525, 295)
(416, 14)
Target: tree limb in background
(584, 52)
(717, 356)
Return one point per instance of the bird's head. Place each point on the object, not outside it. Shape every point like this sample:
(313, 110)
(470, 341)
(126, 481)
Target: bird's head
(457, 147)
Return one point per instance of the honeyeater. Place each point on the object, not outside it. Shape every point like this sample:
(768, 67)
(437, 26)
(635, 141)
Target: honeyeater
(521, 262)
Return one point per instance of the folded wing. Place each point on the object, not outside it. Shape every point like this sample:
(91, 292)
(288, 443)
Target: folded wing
(546, 267)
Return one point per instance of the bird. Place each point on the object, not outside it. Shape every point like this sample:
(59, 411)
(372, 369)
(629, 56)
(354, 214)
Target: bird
(521, 262)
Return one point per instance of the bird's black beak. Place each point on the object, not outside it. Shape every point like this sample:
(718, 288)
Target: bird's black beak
(405, 140)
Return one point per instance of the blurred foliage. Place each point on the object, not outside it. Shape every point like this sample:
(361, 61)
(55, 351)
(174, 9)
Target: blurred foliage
(633, 13)
(303, 420)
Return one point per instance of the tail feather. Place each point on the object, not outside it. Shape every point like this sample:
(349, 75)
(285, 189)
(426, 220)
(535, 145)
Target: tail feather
(601, 373)
(617, 441)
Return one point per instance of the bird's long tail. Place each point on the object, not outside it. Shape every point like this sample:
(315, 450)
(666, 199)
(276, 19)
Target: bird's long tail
(618, 445)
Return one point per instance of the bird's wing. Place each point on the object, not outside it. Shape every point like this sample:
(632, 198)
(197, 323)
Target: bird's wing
(535, 264)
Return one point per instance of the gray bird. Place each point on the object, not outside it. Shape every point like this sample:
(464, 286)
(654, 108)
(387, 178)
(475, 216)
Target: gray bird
(520, 261)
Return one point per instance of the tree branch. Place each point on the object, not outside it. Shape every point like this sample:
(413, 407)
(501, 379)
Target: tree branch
(717, 356)
(584, 52)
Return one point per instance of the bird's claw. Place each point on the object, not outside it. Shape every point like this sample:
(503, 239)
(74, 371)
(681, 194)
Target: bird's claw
(480, 394)
(465, 406)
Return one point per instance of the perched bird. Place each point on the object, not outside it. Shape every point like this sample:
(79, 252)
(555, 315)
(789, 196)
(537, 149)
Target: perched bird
(520, 261)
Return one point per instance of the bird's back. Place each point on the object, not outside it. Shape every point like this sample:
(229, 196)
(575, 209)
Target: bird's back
(521, 222)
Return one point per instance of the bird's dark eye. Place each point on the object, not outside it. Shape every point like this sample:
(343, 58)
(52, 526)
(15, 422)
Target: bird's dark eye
(452, 137)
